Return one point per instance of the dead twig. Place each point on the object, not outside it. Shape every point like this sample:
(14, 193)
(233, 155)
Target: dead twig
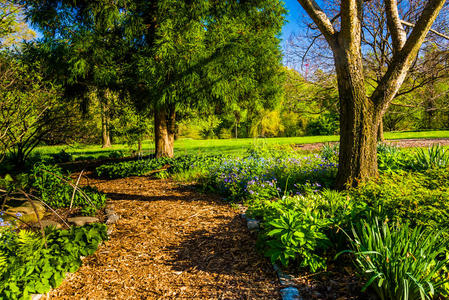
(74, 189)
(54, 211)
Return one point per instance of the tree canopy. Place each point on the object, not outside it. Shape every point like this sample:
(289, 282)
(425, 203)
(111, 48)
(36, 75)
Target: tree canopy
(166, 55)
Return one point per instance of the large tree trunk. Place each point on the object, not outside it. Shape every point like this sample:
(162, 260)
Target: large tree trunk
(164, 131)
(105, 137)
(359, 121)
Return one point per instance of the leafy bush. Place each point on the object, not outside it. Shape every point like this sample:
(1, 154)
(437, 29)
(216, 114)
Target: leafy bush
(329, 152)
(400, 262)
(56, 189)
(28, 267)
(142, 167)
(392, 158)
(420, 198)
(323, 125)
(62, 157)
(303, 228)
(435, 157)
(116, 154)
(130, 168)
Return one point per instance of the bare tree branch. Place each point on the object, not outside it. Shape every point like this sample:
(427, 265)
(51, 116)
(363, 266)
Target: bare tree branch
(397, 71)
(320, 18)
(431, 30)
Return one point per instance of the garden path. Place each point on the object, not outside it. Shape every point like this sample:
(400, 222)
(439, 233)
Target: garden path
(171, 243)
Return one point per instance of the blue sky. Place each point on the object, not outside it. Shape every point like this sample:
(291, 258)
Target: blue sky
(293, 18)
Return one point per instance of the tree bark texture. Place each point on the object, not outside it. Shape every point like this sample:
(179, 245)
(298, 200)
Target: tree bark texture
(359, 117)
(105, 136)
(164, 131)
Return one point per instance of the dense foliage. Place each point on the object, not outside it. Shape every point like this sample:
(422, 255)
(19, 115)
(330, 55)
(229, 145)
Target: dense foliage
(30, 264)
(59, 190)
(155, 165)
(399, 261)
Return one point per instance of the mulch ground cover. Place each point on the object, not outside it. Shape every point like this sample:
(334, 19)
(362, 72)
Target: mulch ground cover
(171, 242)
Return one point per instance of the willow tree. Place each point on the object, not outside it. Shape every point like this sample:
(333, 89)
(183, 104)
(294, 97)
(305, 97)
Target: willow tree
(360, 112)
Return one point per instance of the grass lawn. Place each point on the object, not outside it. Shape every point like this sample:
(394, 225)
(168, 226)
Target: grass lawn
(229, 146)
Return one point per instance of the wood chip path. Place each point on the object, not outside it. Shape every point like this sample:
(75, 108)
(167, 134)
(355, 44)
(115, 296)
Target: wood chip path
(171, 243)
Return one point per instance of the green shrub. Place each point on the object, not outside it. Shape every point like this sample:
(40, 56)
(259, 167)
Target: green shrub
(323, 125)
(116, 154)
(420, 198)
(130, 168)
(303, 228)
(330, 152)
(62, 157)
(392, 158)
(53, 187)
(142, 167)
(400, 262)
(28, 267)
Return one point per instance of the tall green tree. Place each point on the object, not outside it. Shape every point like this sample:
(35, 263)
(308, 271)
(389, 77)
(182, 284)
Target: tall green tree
(172, 55)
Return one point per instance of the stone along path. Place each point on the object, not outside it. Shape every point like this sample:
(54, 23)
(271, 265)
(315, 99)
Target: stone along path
(171, 243)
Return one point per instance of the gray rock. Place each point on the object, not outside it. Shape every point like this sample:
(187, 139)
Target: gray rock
(290, 293)
(81, 221)
(113, 218)
(252, 224)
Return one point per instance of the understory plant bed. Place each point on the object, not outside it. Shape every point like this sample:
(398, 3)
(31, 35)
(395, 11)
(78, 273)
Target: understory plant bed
(31, 263)
(44, 230)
